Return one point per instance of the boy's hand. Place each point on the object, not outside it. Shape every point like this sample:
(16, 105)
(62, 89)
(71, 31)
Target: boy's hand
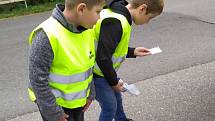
(87, 105)
(118, 87)
(141, 51)
(64, 117)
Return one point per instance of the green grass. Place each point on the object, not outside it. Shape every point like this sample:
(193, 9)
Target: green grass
(18, 9)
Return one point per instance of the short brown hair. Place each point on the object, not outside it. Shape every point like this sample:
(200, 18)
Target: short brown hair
(89, 3)
(153, 6)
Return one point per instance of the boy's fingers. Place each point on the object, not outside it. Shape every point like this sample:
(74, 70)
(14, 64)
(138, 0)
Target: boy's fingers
(146, 53)
(85, 108)
(144, 49)
(87, 105)
(147, 50)
(66, 116)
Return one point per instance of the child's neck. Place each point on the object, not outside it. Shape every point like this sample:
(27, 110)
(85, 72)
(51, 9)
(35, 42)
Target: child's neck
(71, 17)
(131, 11)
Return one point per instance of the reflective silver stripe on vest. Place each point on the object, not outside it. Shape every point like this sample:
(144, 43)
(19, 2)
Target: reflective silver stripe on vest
(118, 60)
(71, 96)
(114, 60)
(70, 79)
(96, 45)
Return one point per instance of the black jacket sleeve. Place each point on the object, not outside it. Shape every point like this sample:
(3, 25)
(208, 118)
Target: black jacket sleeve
(110, 35)
(130, 53)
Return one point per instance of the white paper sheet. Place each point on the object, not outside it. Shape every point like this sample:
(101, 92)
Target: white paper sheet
(131, 88)
(155, 50)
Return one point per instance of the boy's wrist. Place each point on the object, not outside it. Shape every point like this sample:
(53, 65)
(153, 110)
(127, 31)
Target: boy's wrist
(114, 82)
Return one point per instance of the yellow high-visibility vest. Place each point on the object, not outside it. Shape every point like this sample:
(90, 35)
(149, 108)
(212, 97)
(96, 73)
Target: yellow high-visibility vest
(122, 48)
(71, 70)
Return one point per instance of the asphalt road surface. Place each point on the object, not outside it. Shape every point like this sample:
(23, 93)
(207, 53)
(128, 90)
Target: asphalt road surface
(176, 85)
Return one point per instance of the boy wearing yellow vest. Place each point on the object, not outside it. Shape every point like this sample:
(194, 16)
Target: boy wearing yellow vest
(113, 33)
(62, 56)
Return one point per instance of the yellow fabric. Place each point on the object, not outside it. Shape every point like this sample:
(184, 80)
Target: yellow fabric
(122, 48)
(74, 53)
(31, 95)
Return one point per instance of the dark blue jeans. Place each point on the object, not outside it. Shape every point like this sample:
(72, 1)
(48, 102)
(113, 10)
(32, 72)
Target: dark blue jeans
(109, 101)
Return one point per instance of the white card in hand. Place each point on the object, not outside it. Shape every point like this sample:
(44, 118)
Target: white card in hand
(155, 50)
(131, 88)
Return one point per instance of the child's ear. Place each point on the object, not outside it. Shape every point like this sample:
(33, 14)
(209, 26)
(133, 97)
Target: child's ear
(143, 8)
(80, 8)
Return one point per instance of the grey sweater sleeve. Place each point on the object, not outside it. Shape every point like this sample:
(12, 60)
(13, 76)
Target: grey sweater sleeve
(40, 59)
(92, 94)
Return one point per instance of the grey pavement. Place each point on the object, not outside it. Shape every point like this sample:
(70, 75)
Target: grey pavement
(186, 95)
(177, 85)
(201, 9)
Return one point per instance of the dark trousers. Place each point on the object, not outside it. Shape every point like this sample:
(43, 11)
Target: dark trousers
(74, 114)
